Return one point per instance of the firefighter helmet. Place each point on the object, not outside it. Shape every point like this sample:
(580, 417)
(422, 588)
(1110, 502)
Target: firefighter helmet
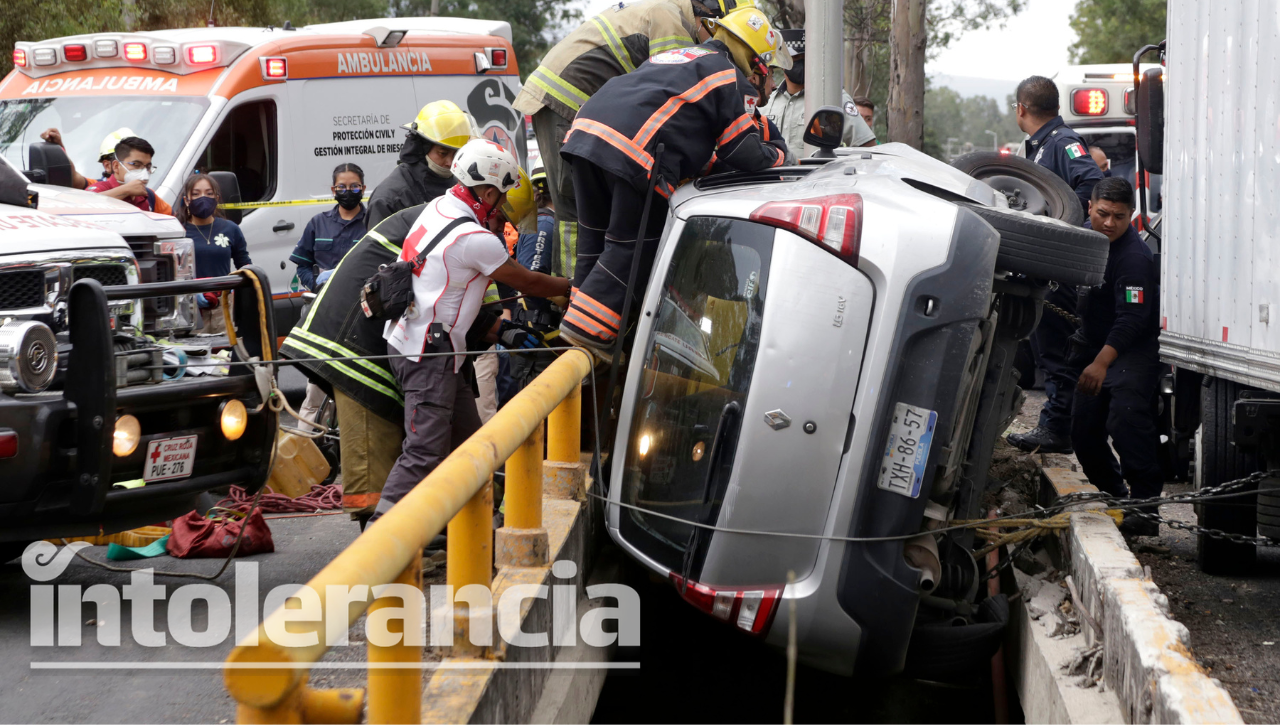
(763, 43)
(108, 147)
(443, 123)
(719, 8)
(521, 205)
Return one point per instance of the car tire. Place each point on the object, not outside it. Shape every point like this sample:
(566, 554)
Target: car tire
(1028, 186)
(1217, 462)
(1046, 248)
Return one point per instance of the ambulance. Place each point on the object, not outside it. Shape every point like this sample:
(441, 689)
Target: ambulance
(278, 108)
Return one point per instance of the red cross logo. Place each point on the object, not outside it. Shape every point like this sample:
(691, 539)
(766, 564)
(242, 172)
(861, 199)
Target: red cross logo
(155, 455)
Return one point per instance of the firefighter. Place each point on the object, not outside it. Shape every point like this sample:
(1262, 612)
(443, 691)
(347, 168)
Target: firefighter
(440, 410)
(608, 45)
(1053, 145)
(696, 101)
(786, 105)
(440, 129)
(1119, 360)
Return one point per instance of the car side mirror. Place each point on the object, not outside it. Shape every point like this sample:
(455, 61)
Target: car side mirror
(825, 130)
(1151, 120)
(49, 161)
(229, 185)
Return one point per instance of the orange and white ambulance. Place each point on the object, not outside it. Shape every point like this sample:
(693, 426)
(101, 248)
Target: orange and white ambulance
(278, 107)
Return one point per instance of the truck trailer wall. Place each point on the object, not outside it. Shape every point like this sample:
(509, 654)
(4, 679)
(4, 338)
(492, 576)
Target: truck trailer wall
(1221, 261)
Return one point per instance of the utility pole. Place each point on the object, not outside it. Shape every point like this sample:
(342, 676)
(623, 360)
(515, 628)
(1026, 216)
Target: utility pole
(995, 143)
(906, 72)
(824, 55)
(435, 8)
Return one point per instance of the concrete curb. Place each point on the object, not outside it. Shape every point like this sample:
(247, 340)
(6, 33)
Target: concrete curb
(493, 695)
(1147, 660)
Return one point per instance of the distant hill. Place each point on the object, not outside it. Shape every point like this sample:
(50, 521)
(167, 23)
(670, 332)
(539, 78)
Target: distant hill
(969, 86)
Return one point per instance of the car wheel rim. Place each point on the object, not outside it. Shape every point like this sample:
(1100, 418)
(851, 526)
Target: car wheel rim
(1021, 193)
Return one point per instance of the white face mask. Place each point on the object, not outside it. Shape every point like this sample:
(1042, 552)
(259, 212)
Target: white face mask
(143, 175)
(441, 171)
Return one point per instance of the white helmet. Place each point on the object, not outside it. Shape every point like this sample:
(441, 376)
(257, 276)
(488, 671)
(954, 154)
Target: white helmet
(481, 161)
(108, 147)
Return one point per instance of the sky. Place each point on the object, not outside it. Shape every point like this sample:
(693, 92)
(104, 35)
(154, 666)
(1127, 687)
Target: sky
(1033, 42)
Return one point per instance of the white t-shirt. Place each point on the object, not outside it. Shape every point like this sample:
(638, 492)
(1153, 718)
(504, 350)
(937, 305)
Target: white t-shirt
(450, 286)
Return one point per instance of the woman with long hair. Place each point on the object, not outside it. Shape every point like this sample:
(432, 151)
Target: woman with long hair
(219, 243)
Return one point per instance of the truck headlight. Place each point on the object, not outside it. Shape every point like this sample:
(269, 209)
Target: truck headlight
(234, 418)
(127, 434)
(28, 356)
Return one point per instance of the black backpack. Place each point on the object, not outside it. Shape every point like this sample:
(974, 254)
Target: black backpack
(389, 292)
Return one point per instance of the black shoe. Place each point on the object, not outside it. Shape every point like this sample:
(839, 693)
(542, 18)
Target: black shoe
(1040, 440)
(1137, 526)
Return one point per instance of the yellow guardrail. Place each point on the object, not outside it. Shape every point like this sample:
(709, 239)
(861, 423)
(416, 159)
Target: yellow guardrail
(269, 680)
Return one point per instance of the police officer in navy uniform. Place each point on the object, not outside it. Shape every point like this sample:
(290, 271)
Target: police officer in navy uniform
(1115, 393)
(1061, 150)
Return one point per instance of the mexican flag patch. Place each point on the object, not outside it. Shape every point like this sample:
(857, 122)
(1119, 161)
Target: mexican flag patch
(1133, 295)
(1075, 151)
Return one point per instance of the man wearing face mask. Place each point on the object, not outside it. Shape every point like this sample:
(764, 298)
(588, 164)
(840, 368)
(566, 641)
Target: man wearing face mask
(440, 129)
(131, 170)
(786, 107)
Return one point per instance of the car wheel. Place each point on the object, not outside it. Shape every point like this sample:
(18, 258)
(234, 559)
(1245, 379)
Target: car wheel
(1218, 460)
(1028, 186)
(1046, 248)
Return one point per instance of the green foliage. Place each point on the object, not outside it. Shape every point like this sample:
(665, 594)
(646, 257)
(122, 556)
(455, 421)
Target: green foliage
(1111, 31)
(535, 24)
(947, 116)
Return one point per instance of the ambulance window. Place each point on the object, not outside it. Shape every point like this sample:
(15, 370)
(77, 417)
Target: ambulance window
(246, 145)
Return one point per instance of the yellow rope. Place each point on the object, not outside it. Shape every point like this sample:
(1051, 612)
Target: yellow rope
(1026, 528)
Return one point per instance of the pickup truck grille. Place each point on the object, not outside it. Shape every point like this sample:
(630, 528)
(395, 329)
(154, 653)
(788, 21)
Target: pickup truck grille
(108, 275)
(21, 289)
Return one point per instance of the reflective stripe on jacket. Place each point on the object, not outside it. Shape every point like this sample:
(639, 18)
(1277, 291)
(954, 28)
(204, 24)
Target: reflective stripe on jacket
(608, 45)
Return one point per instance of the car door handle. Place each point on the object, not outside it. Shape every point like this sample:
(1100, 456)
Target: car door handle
(282, 226)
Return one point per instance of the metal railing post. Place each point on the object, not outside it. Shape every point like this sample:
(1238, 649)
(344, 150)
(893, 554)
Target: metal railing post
(470, 561)
(395, 694)
(522, 541)
(564, 475)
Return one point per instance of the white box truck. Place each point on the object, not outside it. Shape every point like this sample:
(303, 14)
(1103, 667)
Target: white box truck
(1208, 122)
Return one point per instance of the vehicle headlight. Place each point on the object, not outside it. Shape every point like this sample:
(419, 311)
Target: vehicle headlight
(234, 418)
(128, 433)
(28, 356)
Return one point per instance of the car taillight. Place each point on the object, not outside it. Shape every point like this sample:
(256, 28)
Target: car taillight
(749, 609)
(834, 222)
(8, 444)
(20, 57)
(75, 52)
(201, 54)
(1089, 101)
(499, 57)
(275, 68)
(135, 51)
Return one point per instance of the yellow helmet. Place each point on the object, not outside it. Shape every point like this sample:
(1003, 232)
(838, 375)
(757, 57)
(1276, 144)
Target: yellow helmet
(108, 147)
(521, 205)
(442, 122)
(751, 28)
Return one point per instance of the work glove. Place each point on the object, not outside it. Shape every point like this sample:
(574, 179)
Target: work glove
(324, 277)
(515, 337)
(208, 300)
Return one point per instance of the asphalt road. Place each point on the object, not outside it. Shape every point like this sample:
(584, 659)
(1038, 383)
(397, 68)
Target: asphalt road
(303, 546)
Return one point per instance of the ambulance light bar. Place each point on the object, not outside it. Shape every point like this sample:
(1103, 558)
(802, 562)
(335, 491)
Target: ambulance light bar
(114, 50)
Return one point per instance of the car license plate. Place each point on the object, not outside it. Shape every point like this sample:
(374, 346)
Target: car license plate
(170, 458)
(907, 452)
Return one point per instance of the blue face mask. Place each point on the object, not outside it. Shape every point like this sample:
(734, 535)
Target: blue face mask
(202, 207)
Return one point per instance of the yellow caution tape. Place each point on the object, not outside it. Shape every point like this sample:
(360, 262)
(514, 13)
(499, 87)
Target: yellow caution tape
(291, 202)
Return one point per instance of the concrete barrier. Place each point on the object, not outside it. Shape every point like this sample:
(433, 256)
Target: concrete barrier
(1147, 662)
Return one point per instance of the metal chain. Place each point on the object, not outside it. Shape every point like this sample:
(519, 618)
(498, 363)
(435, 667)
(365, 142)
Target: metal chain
(1062, 313)
(1130, 507)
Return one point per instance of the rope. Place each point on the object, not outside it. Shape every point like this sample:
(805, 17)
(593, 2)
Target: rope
(319, 499)
(1032, 528)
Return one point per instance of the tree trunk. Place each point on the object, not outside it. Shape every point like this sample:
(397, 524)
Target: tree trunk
(906, 72)
(857, 79)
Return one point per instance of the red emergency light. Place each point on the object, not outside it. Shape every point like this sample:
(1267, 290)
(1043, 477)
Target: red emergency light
(202, 54)
(75, 53)
(20, 57)
(275, 69)
(499, 57)
(135, 51)
(1089, 101)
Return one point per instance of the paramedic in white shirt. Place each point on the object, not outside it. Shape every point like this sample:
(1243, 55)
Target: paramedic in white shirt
(439, 402)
